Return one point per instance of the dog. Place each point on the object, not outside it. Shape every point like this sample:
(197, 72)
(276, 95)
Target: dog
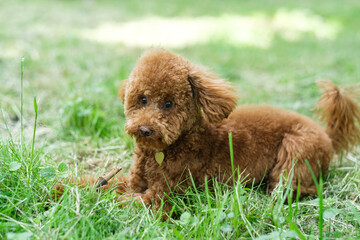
(181, 115)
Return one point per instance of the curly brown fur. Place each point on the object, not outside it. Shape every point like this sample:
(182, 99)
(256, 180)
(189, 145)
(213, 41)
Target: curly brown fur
(338, 108)
(187, 112)
(192, 131)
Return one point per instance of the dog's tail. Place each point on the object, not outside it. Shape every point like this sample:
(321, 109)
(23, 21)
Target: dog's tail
(338, 108)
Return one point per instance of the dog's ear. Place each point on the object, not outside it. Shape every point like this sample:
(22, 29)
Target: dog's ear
(216, 97)
(122, 88)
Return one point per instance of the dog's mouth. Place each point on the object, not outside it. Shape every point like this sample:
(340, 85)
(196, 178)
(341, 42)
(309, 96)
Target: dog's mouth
(153, 136)
(155, 144)
(148, 139)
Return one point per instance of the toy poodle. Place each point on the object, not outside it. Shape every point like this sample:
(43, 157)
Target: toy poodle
(181, 115)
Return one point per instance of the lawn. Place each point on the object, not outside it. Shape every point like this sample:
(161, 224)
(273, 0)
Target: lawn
(73, 56)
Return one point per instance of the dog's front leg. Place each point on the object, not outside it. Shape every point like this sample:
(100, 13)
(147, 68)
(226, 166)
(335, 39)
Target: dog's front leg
(153, 196)
(137, 182)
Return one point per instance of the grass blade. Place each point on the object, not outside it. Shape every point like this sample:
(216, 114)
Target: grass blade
(22, 101)
(33, 139)
(319, 187)
(232, 157)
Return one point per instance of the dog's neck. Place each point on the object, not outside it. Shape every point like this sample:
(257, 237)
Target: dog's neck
(201, 131)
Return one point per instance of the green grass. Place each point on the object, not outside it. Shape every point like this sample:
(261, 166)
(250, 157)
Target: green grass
(75, 125)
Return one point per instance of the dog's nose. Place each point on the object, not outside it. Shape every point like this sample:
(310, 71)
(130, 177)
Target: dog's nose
(145, 131)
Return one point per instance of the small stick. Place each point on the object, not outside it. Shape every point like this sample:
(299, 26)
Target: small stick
(104, 179)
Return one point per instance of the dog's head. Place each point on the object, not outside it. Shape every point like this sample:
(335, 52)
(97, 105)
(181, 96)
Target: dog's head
(166, 96)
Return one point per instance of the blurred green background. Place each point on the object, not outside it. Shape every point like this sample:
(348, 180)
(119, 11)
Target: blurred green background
(77, 52)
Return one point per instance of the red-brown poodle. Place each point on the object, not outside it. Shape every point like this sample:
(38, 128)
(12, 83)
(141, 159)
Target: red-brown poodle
(181, 115)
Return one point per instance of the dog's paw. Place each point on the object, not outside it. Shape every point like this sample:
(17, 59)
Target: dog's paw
(138, 198)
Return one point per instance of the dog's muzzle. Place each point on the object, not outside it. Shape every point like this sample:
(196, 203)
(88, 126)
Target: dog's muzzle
(146, 131)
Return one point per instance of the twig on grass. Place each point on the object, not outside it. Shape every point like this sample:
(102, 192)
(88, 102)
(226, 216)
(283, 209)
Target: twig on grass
(104, 179)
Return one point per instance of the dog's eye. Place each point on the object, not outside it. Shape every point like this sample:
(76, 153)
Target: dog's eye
(168, 105)
(143, 100)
